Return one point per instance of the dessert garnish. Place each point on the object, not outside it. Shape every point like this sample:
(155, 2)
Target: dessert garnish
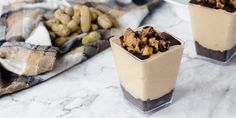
(147, 42)
(228, 5)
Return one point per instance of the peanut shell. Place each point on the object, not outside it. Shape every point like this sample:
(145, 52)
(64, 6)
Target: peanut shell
(69, 11)
(85, 20)
(94, 27)
(91, 37)
(104, 21)
(72, 25)
(61, 30)
(60, 41)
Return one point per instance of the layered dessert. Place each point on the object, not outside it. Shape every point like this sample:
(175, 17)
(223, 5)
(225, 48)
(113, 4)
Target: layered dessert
(213, 25)
(147, 63)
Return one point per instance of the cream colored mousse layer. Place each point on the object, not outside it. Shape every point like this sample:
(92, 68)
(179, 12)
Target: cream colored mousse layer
(147, 79)
(212, 28)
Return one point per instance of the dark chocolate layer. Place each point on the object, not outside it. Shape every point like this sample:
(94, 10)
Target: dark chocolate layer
(217, 55)
(170, 38)
(148, 105)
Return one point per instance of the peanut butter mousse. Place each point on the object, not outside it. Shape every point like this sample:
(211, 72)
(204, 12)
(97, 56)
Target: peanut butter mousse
(147, 63)
(213, 30)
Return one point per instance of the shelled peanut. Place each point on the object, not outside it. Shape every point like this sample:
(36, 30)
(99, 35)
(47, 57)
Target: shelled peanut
(76, 20)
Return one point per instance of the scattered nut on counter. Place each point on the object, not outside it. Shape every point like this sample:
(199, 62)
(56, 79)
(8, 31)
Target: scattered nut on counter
(76, 20)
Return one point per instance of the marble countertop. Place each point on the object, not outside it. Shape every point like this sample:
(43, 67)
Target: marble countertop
(91, 89)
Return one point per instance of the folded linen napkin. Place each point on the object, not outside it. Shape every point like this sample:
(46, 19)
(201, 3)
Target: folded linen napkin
(70, 54)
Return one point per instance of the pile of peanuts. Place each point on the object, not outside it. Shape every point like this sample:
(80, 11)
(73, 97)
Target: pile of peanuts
(75, 20)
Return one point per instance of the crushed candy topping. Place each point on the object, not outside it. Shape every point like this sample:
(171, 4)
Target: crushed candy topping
(228, 5)
(147, 42)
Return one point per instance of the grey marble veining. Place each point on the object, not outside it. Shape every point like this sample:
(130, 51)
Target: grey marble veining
(91, 90)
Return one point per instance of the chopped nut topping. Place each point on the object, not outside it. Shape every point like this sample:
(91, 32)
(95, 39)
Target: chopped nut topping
(130, 49)
(146, 42)
(164, 45)
(219, 4)
(228, 5)
(129, 37)
(149, 32)
(145, 31)
(154, 43)
(212, 1)
(147, 51)
(233, 2)
(137, 49)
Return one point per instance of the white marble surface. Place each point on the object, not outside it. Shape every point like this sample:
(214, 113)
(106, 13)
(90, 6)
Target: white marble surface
(91, 90)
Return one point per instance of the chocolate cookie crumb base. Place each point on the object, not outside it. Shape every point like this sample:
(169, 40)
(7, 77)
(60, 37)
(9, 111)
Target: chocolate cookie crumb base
(148, 105)
(217, 55)
(228, 7)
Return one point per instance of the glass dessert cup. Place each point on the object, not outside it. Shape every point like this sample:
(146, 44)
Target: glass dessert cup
(147, 84)
(213, 32)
